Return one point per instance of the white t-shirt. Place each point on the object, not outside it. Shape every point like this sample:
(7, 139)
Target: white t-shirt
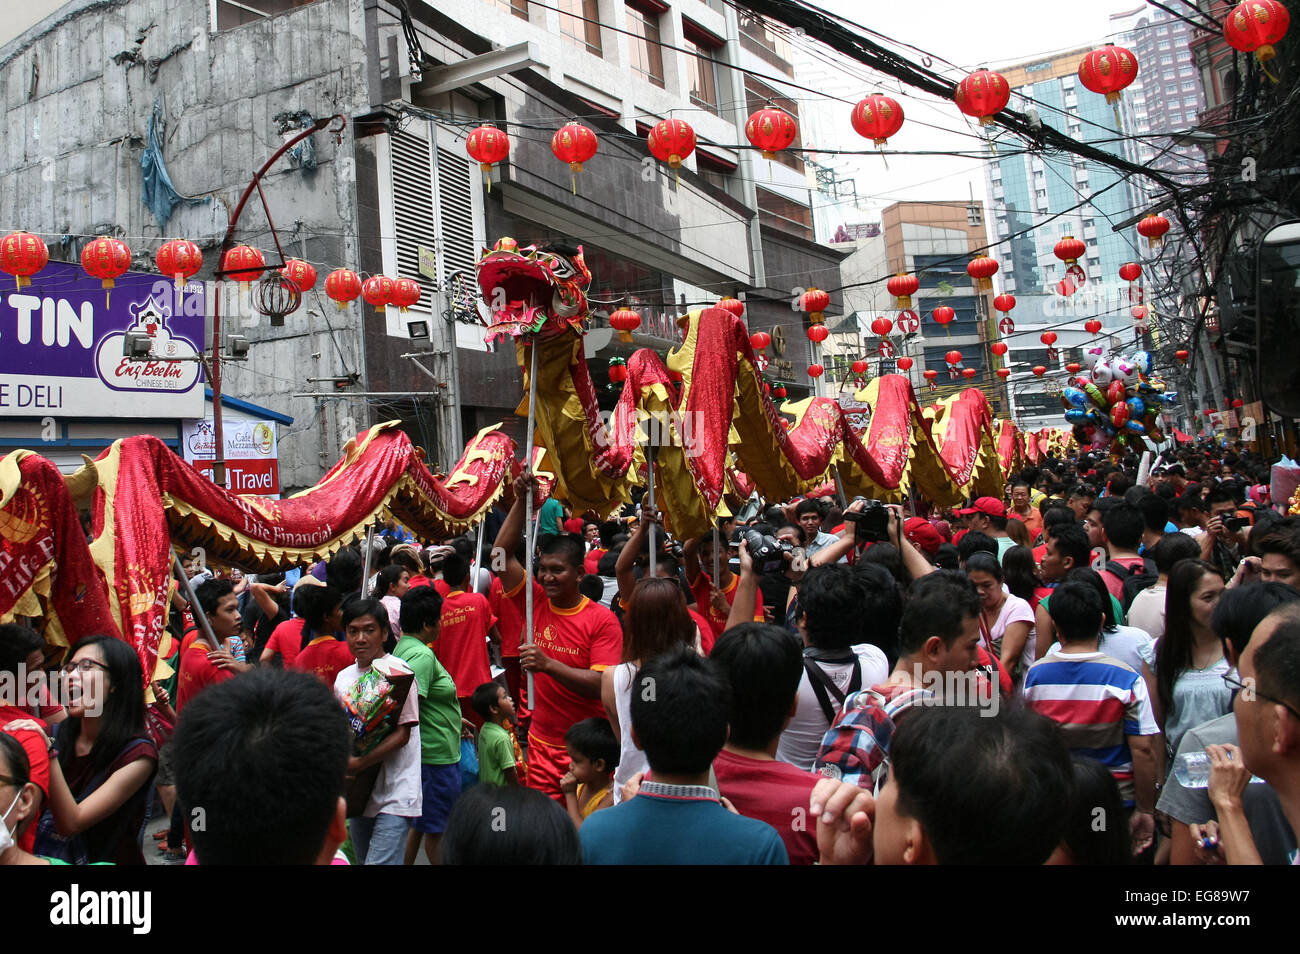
(630, 759)
(397, 789)
(803, 736)
(1147, 611)
(1125, 643)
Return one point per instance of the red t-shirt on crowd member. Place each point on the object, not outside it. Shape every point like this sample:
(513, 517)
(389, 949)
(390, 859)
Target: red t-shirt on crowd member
(1113, 582)
(286, 639)
(441, 586)
(196, 671)
(419, 580)
(771, 791)
(704, 606)
(39, 757)
(1040, 551)
(461, 645)
(510, 621)
(326, 657)
(707, 636)
(591, 562)
(588, 636)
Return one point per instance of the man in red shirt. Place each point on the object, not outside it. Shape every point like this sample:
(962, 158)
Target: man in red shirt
(764, 667)
(574, 641)
(202, 665)
(467, 625)
(697, 555)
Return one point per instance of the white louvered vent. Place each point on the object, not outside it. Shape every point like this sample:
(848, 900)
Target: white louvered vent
(413, 205)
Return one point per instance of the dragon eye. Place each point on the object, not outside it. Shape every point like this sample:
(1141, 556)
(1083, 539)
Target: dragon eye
(561, 268)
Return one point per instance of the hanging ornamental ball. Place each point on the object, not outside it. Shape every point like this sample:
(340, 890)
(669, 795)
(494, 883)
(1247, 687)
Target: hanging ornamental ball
(1092, 326)
(1138, 312)
(953, 357)
(1130, 271)
(1003, 373)
(903, 287)
(999, 348)
(759, 340)
(1048, 338)
(909, 322)
(406, 293)
(968, 373)
(779, 391)
(1182, 355)
(930, 375)
(1153, 229)
(1004, 303)
(817, 334)
(343, 285)
(905, 364)
(982, 269)
(575, 144)
(733, 305)
(1074, 367)
(1006, 326)
(859, 366)
(815, 370)
(671, 141)
(303, 275)
(815, 302)
(377, 290)
(243, 264)
(487, 146)
(882, 326)
(22, 255)
(1108, 71)
(179, 258)
(617, 371)
(275, 297)
(1255, 25)
(983, 94)
(943, 314)
(625, 321)
(877, 118)
(1039, 370)
(1070, 250)
(106, 259)
(771, 130)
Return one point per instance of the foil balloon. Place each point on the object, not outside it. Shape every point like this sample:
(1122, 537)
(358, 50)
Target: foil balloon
(1095, 395)
(1135, 427)
(1075, 397)
(1144, 361)
(1125, 370)
(1136, 407)
(1076, 415)
(1119, 414)
(1116, 393)
(1101, 374)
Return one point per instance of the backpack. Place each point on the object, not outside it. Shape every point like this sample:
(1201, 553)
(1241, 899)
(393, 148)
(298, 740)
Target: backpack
(1134, 579)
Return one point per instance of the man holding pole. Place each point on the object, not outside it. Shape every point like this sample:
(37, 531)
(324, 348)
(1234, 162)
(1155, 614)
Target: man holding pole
(572, 642)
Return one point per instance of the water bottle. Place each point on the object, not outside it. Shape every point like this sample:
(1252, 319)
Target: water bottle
(1192, 769)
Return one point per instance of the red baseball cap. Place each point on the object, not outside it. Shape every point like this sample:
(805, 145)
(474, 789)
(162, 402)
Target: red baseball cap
(990, 506)
(923, 535)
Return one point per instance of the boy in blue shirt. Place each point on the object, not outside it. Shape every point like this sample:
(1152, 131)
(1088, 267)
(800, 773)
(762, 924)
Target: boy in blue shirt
(680, 703)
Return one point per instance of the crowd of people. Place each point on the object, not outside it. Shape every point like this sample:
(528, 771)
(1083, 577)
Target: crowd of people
(1095, 669)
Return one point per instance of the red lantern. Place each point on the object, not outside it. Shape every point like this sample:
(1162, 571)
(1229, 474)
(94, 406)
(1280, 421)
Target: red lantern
(1130, 271)
(244, 264)
(1138, 312)
(771, 130)
(487, 146)
(106, 259)
(377, 290)
(943, 314)
(877, 118)
(999, 348)
(815, 302)
(779, 391)
(859, 366)
(953, 357)
(625, 321)
(303, 275)
(618, 373)
(1153, 228)
(1092, 326)
(343, 285)
(930, 375)
(1254, 26)
(759, 340)
(1004, 303)
(882, 326)
(1070, 250)
(982, 269)
(1039, 370)
(1108, 70)
(815, 370)
(671, 141)
(903, 287)
(1182, 355)
(983, 94)
(22, 255)
(179, 258)
(1073, 367)
(1003, 373)
(733, 305)
(968, 373)
(904, 364)
(1048, 338)
(817, 334)
(406, 292)
(575, 144)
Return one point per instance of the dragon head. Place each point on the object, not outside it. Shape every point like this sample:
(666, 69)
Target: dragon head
(537, 290)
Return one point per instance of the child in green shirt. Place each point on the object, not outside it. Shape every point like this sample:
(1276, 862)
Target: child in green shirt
(499, 761)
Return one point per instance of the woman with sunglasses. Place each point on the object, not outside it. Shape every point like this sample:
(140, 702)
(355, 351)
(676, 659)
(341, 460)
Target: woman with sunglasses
(100, 782)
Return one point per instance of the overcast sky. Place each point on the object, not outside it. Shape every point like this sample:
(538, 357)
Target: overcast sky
(970, 35)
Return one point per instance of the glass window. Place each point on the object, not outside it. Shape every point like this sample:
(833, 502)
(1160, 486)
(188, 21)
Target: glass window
(580, 22)
(703, 48)
(645, 53)
(518, 7)
(784, 214)
(231, 14)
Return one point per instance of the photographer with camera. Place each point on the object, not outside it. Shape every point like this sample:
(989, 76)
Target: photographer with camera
(715, 600)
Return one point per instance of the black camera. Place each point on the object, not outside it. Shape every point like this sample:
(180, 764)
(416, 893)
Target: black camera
(768, 553)
(871, 524)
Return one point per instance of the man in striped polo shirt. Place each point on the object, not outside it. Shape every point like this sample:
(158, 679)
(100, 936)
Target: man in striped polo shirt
(1100, 703)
